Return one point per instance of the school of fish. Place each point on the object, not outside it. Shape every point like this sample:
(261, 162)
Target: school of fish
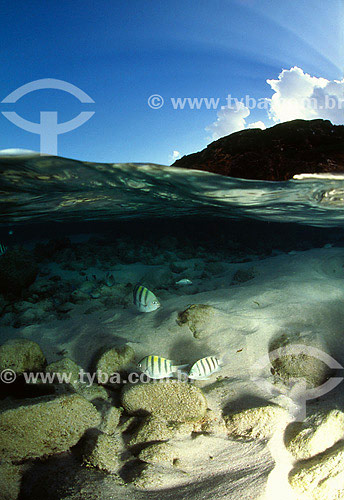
(157, 367)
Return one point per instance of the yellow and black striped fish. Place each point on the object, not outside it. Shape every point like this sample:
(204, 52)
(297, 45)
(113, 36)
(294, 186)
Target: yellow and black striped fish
(144, 299)
(3, 249)
(204, 367)
(157, 367)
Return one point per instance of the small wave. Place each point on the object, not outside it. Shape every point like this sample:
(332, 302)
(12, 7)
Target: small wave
(42, 188)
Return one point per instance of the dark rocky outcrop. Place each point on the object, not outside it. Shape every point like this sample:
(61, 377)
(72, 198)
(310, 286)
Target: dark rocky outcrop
(274, 154)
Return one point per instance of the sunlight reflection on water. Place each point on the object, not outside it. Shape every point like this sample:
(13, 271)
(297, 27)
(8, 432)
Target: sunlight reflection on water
(47, 188)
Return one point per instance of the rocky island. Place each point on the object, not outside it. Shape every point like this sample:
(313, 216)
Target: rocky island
(275, 154)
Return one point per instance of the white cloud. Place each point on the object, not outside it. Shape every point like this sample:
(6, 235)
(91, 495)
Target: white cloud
(296, 95)
(258, 124)
(229, 120)
(300, 95)
(175, 156)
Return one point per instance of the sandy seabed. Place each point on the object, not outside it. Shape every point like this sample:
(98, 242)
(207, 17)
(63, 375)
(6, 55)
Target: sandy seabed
(298, 294)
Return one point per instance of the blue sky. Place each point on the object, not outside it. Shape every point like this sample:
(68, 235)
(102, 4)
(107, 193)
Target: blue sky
(122, 52)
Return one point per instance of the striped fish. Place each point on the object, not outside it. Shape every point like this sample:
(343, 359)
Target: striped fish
(144, 299)
(157, 367)
(2, 249)
(204, 367)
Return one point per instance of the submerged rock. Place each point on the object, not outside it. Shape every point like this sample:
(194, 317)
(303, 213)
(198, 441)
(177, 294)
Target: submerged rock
(109, 280)
(291, 366)
(18, 270)
(102, 451)
(214, 268)
(110, 418)
(321, 477)
(70, 376)
(173, 401)
(161, 453)
(93, 392)
(211, 423)
(115, 360)
(198, 318)
(157, 477)
(151, 429)
(256, 423)
(10, 481)
(315, 434)
(178, 266)
(243, 275)
(21, 355)
(65, 367)
(45, 426)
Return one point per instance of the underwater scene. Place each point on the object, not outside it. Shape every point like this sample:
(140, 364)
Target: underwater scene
(169, 333)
